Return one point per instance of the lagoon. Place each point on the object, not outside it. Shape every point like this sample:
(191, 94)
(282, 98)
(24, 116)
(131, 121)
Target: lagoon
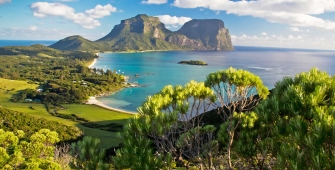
(157, 69)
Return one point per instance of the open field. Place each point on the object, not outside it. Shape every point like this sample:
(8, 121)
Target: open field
(90, 112)
(95, 113)
(10, 87)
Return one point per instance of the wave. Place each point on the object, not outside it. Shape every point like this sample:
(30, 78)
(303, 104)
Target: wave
(261, 68)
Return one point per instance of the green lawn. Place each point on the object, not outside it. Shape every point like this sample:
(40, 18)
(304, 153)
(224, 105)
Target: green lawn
(9, 87)
(89, 112)
(95, 113)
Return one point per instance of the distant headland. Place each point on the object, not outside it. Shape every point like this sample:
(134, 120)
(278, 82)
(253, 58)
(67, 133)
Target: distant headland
(147, 33)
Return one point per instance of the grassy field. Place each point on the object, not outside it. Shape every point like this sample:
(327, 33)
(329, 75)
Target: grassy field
(95, 114)
(89, 112)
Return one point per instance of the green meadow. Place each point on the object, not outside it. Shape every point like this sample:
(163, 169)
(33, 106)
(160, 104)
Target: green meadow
(89, 112)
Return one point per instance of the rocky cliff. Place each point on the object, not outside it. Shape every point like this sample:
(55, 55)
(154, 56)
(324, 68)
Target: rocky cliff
(144, 32)
(139, 33)
(211, 32)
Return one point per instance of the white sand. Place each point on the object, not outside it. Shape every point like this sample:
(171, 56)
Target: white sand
(92, 64)
(94, 101)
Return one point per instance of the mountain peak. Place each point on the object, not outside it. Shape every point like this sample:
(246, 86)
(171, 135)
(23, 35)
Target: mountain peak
(211, 32)
(144, 32)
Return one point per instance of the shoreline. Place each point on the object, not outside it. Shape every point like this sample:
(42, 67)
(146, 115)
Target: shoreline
(94, 101)
(144, 51)
(92, 64)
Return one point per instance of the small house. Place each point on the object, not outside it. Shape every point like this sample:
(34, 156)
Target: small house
(28, 100)
(39, 90)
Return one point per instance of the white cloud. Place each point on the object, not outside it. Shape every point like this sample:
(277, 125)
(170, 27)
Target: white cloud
(295, 29)
(101, 11)
(173, 21)
(4, 1)
(33, 28)
(154, 1)
(86, 20)
(301, 13)
(263, 33)
(285, 41)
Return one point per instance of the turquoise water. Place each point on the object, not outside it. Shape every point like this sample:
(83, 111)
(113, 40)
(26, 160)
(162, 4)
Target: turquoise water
(157, 69)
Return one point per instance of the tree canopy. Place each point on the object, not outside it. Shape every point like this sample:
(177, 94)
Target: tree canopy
(171, 122)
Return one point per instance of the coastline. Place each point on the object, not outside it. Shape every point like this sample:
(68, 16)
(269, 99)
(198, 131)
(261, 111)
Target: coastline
(93, 63)
(94, 101)
(143, 51)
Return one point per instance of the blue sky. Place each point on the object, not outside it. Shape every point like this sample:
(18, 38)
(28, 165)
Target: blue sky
(274, 23)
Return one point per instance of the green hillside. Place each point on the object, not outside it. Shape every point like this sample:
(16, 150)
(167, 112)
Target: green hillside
(77, 43)
(43, 52)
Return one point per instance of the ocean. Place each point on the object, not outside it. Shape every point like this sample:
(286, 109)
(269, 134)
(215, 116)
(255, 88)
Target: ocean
(25, 42)
(158, 69)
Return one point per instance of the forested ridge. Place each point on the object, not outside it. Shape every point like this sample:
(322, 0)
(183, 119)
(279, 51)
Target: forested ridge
(62, 75)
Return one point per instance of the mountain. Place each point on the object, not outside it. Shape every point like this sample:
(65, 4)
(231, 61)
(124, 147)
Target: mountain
(139, 33)
(211, 32)
(144, 32)
(77, 42)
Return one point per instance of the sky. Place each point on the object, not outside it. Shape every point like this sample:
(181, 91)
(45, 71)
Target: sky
(267, 23)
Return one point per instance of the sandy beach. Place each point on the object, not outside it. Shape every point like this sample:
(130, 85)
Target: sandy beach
(94, 101)
(92, 64)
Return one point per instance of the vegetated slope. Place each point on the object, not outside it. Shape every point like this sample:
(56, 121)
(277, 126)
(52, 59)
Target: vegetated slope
(44, 51)
(77, 42)
(144, 32)
(12, 120)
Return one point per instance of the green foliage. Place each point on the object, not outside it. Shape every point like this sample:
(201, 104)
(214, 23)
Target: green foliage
(240, 83)
(238, 91)
(193, 62)
(12, 121)
(35, 152)
(63, 77)
(296, 124)
(171, 121)
(78, 43)
(88, 155)
(158, 124)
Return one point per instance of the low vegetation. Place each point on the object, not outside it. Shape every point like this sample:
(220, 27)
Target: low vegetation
(291, 129)
(62, 78)
(38, 151)
(43, 82)
(193, 62)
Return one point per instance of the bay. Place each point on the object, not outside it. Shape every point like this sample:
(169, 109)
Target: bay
(158, 69)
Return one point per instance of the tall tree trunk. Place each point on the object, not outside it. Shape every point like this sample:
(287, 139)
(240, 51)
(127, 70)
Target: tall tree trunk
(230, 143)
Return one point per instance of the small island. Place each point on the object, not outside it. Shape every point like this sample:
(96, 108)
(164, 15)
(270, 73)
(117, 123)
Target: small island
(192, 62)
